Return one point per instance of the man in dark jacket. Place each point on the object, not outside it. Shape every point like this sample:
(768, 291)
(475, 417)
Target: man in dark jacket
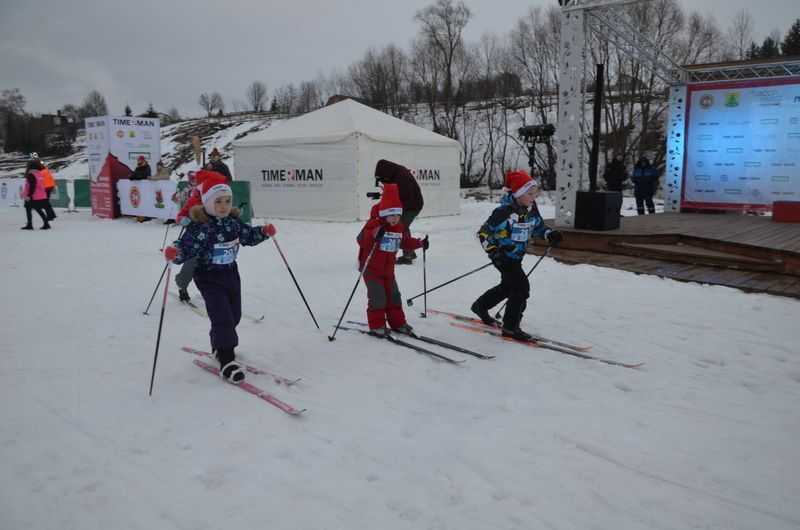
(142, 170)
(615, 173)
(215, 163)
(388, 172)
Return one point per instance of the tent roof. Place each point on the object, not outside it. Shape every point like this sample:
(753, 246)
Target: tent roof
(340, 120)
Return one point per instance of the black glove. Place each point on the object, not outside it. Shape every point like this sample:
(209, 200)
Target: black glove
(554, 237)
(498, 257)
(425, 243)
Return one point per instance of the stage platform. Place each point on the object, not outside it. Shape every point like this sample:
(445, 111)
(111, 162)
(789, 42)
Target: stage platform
(748, 252)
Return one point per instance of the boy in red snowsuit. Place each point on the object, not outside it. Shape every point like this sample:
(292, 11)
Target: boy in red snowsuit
(384, 235)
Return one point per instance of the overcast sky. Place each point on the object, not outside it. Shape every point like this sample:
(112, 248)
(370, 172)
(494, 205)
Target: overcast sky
(168, 52)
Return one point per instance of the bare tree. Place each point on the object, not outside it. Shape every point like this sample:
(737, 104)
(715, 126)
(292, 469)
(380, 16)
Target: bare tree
(205, 103)
(308, 98)
(286, 99)
(174, 115)
(217, 103)
(94, 104)
(257, 96)
(441, 27)
(701, 44)
(740, 33)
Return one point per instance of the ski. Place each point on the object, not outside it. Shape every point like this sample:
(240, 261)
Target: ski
(479, 322)
(535, 344)
(437, 342)
(252, 369)
(414, 347)
(199, 310)
(272, 400)
(194, 307)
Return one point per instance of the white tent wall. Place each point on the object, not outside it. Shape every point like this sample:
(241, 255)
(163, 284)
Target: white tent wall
(436, 169)
(285, 192)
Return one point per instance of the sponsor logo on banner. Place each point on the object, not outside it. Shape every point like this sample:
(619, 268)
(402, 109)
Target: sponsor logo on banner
(159, 198)
(120, 134)
(135, 197)
(289, 175)
(732, 99)
(706, 101)
(426, 174)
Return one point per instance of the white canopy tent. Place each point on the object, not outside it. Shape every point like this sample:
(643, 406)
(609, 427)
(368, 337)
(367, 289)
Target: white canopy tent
(321, 165)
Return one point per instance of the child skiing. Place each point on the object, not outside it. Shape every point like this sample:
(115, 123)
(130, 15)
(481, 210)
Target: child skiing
(213, 238)
(505, 236)
(383, 235)
(186, 198)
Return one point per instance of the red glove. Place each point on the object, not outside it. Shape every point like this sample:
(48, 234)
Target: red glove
(170, 253)
(269, 229)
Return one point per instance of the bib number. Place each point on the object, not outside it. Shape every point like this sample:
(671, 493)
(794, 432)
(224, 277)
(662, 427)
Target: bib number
(521, 232)
(225, 253)
(391, 241)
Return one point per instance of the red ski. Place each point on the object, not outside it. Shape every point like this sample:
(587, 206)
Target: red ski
(244, 385)
(252, 369)
(533, 343)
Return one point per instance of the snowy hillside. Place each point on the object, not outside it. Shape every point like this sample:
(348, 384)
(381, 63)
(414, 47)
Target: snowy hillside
(704, 435)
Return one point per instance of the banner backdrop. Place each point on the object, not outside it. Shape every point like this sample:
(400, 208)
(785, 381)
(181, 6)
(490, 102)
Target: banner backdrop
(10, 190)
(742, 145)
(125, 137)
(147, 198)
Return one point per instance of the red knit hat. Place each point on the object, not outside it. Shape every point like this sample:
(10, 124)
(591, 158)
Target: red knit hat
(519, 182)
(212, 185)
(390, 201)
(215, 152)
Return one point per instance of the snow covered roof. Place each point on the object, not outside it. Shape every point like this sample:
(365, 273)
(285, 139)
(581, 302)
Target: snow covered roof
(340, 120)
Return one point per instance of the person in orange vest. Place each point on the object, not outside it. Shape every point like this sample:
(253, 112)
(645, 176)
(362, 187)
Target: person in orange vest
(49, 186)
(34, 195)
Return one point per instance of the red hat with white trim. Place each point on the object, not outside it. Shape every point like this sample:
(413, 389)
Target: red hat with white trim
(212, 185)
(390, 201)
(519, 182)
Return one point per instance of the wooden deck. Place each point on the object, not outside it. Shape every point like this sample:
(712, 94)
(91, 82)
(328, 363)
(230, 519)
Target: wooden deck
(747, 252)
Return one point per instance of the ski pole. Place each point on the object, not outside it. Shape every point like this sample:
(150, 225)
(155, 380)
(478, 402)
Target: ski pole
(424, 282)
(360, 274)
(274, 239)
(160, 324)
(498, 315)
(410, 301)
(171, 208)
(159, 280)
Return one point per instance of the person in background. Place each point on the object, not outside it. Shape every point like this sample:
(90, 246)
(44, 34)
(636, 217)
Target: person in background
(184, 277)
(383, 296)
(142, 170)
(505, 237)
(645, 180)
(49, 186)
(162, 172)
(388, 172)
(34, 195)
(615, 173)
(215, 163)
(213, 238)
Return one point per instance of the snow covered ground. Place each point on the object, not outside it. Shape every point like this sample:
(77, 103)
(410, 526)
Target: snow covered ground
(704, 435)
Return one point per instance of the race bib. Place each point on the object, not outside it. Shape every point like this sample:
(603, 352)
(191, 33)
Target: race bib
(225, 253)
(391, 241)
(521, 231)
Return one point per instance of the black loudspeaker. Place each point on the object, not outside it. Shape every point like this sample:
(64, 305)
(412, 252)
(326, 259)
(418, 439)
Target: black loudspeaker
(597, 210)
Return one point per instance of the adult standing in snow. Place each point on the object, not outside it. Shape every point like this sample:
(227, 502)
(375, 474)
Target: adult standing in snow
(615, 173)
(384, 303)
(645, 180)
(388, 172)
(214, 238)
(142, 170)
(34, 195)
(49, 186)
(505, 236)
(215, 163)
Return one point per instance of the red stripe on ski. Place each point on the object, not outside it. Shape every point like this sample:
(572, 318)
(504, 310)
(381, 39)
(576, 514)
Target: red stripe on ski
(252, 369)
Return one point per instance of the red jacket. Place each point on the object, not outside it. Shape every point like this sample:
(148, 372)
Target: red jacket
(194, 199)
(383, 258)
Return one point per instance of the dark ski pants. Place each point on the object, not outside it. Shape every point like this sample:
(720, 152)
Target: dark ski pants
(383, 302)
(39, 206)
(515, 286)
(48, 207)
(222, 293)
(641, 200)
(184, 277)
